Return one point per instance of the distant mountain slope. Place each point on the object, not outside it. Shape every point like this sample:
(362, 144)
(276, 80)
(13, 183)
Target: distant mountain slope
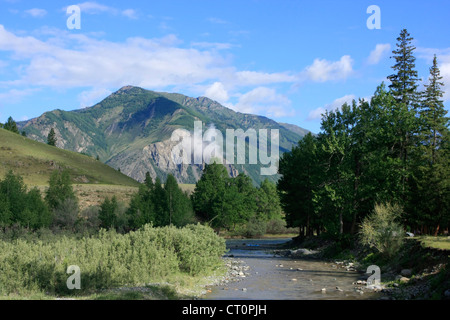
(131, 130)
(35, 162)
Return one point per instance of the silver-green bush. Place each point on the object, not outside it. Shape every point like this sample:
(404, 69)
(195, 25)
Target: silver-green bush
(108, 259)
(381, 230)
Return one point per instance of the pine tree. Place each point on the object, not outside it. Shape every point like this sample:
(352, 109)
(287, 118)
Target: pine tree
(148, 180)
(433, 113)
(404, 89)
(179, 205)
(51, 138)
(11, 125)
(108, 213)
(429, 200)
(404, 81)
(159, 199)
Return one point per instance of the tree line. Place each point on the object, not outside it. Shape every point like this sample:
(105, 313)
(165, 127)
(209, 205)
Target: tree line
(218, 200)
(391, 149)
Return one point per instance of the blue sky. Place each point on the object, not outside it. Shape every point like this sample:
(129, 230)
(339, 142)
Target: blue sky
(287, 60)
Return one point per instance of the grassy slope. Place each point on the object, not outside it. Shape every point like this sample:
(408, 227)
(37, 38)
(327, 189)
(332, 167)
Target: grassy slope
(35, 162)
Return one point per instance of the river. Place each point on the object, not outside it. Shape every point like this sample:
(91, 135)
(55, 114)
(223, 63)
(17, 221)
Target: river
(272, 277)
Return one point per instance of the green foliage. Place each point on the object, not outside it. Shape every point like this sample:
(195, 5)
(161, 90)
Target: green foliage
(179, 205)
(11, 125)
(65, 214)
(267, 201)
(382, 230)
(222, 201)
(108, 260)
(60, 188)
(108, 213)
(159, 205)
(404, 81)
(51, 138)
(20, 206)
(393, 148)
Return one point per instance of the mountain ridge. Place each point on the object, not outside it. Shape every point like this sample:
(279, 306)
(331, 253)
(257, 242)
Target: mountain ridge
(131, 130)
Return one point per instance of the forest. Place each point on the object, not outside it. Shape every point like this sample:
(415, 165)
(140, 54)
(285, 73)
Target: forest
(391, 151)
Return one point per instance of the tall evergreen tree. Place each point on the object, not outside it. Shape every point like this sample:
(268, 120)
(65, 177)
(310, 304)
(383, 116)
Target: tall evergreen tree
(51, 138)
(179, 206)
(108, 213)
(404, 89)
(430, 197)
(159, 199)
(404, 81)
(433, 114)
(297, 185)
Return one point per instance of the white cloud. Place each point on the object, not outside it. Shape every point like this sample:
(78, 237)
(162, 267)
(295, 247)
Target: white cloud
(217, 92)
(265, 101)
(378, 53)
(36, 12)
(16, 95)
(92, 7)
(445, 73)
(68, 60)
(316, 114)
(90, 97)
(323, 70)
(212, 45)
(130, 13)
(151, 63)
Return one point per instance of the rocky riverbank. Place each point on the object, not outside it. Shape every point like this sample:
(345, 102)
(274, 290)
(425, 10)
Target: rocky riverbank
(416, 273)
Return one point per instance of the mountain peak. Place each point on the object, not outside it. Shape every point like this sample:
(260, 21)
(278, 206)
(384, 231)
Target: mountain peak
(127, 89)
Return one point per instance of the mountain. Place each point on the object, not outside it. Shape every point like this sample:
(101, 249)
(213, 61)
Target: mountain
(131, 130)
(35, 162)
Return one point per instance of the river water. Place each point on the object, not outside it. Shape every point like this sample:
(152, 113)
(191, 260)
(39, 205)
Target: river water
(281, 278)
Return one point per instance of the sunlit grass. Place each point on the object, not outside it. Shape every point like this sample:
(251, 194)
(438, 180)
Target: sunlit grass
(441, 242)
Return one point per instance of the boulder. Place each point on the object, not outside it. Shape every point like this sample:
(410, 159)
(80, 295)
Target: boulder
(406, 272)
(302, 252)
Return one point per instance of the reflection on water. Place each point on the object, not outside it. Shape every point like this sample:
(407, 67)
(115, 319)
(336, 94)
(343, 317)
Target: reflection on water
(280, 278)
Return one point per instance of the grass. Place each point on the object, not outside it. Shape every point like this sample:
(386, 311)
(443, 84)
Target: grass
(35, 162)
(441, 243)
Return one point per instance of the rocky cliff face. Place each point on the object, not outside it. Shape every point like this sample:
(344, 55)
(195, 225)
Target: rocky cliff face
(131, 130)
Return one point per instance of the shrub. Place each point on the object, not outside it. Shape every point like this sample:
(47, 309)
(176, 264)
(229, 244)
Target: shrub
(65, 215)
(382, 231)
(108, 259)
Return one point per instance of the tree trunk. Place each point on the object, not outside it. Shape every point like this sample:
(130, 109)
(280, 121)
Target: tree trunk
(341, 223)
(437, 231)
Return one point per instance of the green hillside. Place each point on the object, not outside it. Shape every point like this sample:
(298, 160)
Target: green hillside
(35, 161)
